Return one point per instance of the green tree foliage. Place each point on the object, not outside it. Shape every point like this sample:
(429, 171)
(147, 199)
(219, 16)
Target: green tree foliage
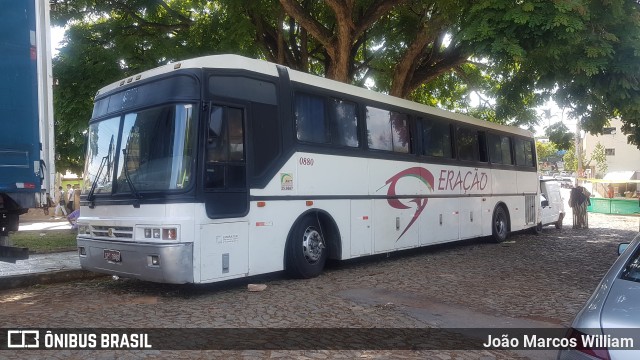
(599, 156)
(108, 40)
(559, 134)
(584, 53)
(77, 70)
(569, 158)
(514, 55)
(545, 150)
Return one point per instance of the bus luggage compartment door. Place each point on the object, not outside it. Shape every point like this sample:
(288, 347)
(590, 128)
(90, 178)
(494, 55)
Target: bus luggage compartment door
(224, 250)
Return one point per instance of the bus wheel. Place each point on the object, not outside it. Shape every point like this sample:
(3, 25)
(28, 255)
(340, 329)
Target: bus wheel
(499, 225)
(306, 249)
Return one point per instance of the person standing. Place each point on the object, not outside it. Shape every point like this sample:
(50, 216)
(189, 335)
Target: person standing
(69, 198)
(578, 201)
(610, 191)
(59, 200)
(76, 197)
(48, 202)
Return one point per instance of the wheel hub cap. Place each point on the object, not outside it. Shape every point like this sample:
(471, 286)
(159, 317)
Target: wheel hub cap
(312, 245)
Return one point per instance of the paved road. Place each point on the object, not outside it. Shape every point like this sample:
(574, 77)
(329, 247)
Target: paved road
(528, 280)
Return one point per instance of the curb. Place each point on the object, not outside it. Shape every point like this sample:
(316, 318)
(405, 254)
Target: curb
(18, 281)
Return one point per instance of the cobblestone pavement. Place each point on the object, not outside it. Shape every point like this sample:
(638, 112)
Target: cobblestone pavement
(545, 278)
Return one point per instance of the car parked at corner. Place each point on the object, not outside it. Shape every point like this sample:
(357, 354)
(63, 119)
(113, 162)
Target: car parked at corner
(567, 182)
(612, 313)
(551, 204)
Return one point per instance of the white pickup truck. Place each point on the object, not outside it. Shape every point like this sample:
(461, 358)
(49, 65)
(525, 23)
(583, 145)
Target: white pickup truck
(551, 204)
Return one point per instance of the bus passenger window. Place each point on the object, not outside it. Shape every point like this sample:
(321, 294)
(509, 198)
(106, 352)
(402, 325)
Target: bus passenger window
(482, 146)
(379, 129)
(467, 141)
(388, 130)
(344, 122)
(499, 149)
(436, 138)
(524, 152)
(505, 145)
(311, 121)
(401, 136)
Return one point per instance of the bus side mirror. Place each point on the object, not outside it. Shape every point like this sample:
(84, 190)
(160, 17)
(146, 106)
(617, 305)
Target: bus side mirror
(545, 203)
(622, 247)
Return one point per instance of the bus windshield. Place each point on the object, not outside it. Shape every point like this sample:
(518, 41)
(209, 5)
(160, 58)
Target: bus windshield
(155, 151)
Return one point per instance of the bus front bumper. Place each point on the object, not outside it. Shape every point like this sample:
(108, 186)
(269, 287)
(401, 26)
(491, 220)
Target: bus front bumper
(164, 263)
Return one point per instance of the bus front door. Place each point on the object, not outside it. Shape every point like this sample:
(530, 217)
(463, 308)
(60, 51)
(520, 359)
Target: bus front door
(225, 173)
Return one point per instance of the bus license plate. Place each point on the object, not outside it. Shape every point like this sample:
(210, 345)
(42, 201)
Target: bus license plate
(112, 255)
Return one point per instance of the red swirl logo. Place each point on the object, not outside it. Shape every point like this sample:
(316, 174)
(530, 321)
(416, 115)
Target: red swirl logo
(419, 173)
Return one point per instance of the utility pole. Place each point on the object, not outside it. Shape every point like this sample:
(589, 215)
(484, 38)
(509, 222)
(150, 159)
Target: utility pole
(578, 146)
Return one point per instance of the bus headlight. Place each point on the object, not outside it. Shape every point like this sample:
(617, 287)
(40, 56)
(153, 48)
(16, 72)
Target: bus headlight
(84, 229)
(160, 233)
(169, 234)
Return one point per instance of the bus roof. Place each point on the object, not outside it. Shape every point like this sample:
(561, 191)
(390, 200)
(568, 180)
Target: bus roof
(238, 62)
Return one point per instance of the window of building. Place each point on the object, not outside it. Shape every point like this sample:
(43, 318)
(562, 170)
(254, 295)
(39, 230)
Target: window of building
(609, 131)
(610, 152)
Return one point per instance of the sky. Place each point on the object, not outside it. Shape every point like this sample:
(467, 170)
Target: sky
(57, 33)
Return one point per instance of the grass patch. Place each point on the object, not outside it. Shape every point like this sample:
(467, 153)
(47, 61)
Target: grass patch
(45, 241)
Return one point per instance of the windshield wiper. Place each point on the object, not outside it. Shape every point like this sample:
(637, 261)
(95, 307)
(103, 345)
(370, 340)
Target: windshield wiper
(91, 196)
(105, 160)
(138, 196)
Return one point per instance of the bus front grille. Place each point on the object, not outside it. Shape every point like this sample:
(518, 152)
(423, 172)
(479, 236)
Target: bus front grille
(111, 232)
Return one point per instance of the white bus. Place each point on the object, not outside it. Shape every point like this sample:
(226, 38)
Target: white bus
(223, 167)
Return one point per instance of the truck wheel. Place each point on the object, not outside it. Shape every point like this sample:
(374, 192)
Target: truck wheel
(536, 230)
(499, 225)
(306, 251)
(559, 224)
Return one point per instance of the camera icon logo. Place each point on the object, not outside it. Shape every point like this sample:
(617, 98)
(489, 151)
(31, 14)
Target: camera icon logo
(23, 339)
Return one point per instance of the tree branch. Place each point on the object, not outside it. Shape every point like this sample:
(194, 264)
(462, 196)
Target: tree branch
(374, 13)
(317, 30)
(173, 12)
(128, 10)
(427, 72)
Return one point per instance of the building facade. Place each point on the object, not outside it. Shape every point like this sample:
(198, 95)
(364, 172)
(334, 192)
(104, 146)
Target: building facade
(621, 156)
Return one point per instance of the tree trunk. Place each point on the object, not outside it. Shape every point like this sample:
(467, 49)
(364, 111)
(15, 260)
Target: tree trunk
(407, 65)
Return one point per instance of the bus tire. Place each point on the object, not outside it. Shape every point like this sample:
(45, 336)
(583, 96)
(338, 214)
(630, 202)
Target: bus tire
(499, 225)
(306, 251)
